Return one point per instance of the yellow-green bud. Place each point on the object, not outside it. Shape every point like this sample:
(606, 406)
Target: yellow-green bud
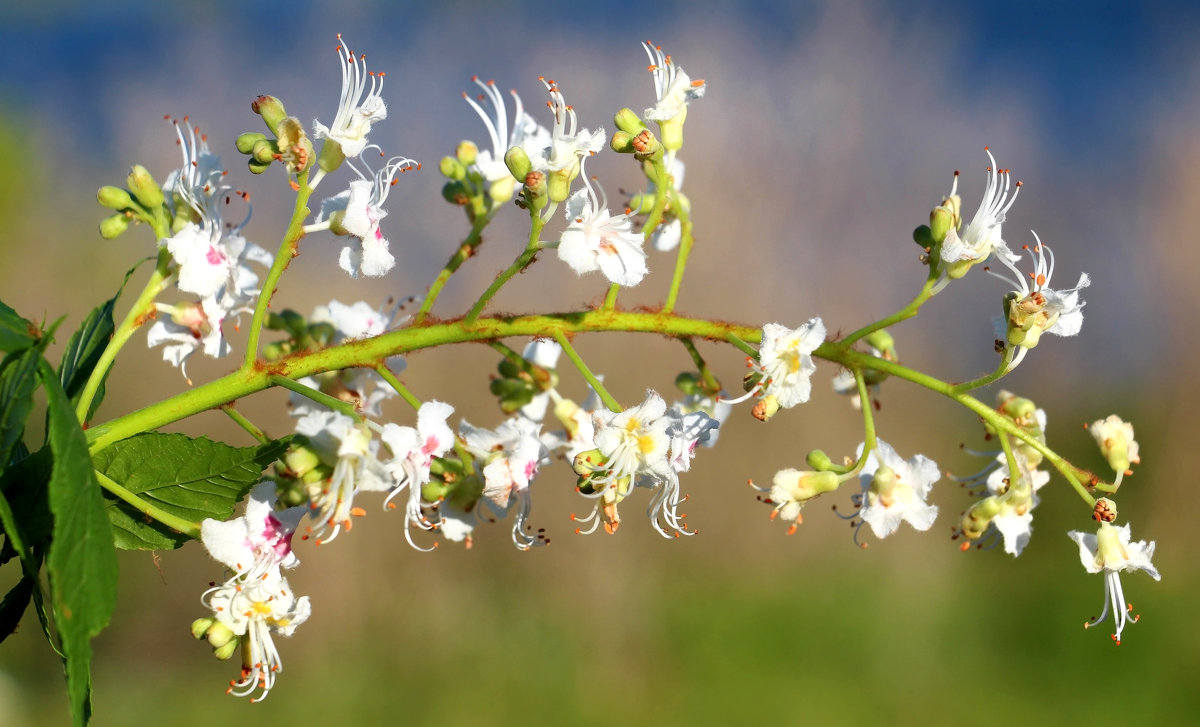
(114, 198)
(621, 142)
(219, 634)
(245, 142)
(646, 145)
(628, 121)
(765, 408)
(517, 162)
(225, 651)
(502, 189)
(271, 110)
(881, 340)
(301, 460)
(257, 167)
(819, 461)
(452, 168)
(585, 463)
(114, 225)
(201, 626)
(641, 203)
(466, 152)
(535, 186)
(143, 187)
(941, 219)
(264, 151)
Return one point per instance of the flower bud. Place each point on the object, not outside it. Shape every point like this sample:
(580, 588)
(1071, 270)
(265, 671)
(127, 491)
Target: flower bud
(621, 142)
(1105, 510)
(144, 188)
(466, 152)
(645, 145)
(628, 121)
(688, 383)
(535, 190)
(271, 110)
(227, 650)
(218, 634)
(201, 626)
(819, 461)
(502, 189)
(765, 408)
(114, 198)
(114, 225)
(941, 219)
(881, 340)
(245, 142)
(452, 168)
(1115, 438)
(586, 463)
(517, 162)
(264, 151)
(257, 167)
(301, 460)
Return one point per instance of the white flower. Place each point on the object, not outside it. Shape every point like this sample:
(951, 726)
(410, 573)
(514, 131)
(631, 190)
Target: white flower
(785, 365)
(715, 406)
(568, 144)
(252, 610)
(356, 112)
(1110, 551)
(674, 89)
(791, 488)
(684, 431)
(349, 448)
(188, 327)
(595, 240)
(257, 543)
(1005, 513)
(1115, 438)
(895, 490)
(357, 212)
(510, 457)
(1035, 308)
(526, 133)
(413, 452)
(635, 438)
(982, 235)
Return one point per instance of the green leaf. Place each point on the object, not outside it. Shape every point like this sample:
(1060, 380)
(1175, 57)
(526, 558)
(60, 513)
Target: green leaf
(86, 345)
(82, 562)
(12, 608)
(18, 379)
(190, 478)
(16, 333)
(23, 486)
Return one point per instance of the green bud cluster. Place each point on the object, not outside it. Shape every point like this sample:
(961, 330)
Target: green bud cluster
(286, 143)
(141, 200)
(223, 640)
(518, 383)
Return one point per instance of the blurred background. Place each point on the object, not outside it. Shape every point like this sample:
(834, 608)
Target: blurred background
(828, 132)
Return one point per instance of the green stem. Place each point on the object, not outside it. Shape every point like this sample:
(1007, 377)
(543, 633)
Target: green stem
(522, 261)
(999, 373)
(188, 528)
(736, 341)
(465, 251)
(685, 249)
(610, 298)
(400, 388)
(711, 385)
(241, 420)
(908, 311)
(342, 407)
(140, 312)
(288, 249)
(572, 354)
(985, 412)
